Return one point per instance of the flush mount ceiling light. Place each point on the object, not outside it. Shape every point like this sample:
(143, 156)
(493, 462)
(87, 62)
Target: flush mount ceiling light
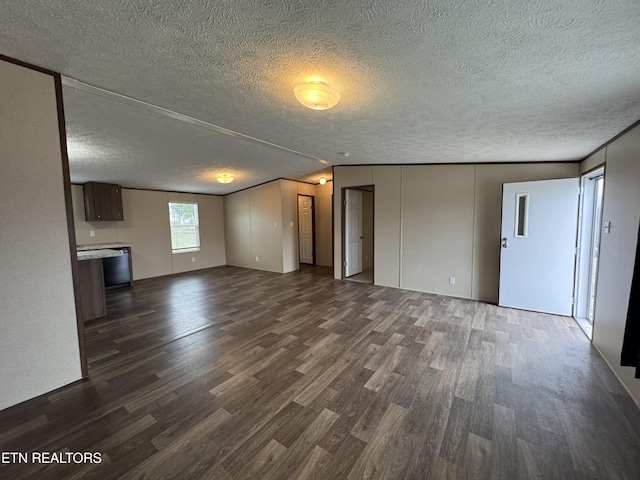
(316, 95)
(323, 180)
(225, 178)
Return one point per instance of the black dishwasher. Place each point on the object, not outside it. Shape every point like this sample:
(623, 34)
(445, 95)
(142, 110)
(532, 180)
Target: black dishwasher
(117, 271)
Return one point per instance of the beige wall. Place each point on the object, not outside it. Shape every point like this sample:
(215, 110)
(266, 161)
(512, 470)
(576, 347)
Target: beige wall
(237, 229)
(146, 227)
(433, 222)
(324, 207)
(39, 348)
(387, 233)
(253, 220)
(593, 161)
(262, 222)
(437, 228)
(266, 227)
(289, 195)
(617, 250)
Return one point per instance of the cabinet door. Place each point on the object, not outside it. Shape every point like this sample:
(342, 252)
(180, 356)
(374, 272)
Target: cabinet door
(109, 198)
(102, 198)
(103, 202)
(92, 295)
(117, 193)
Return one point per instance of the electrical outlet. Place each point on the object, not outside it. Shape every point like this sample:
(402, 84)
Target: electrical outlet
(256, 259)
(291, 224)
(452, 280)
(92, 233)
(275, 224)
(193, 259)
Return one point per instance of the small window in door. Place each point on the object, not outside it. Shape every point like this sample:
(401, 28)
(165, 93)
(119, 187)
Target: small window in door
(522, 210)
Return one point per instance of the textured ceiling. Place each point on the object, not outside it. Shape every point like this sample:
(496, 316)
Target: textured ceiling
(421, 81)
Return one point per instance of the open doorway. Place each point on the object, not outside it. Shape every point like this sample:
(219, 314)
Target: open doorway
(306, 230)
(588, 247)
(358, 233)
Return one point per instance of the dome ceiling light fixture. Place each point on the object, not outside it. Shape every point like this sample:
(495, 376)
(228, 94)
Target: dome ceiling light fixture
(323, 180)
(225, 178)
(316, 95)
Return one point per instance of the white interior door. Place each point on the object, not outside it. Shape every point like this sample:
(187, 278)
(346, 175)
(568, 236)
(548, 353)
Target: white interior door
(305, 229)
(353, 232)
(539, 222)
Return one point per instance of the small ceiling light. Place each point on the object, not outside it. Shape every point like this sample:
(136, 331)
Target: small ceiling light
(316, 95)
(323, 180)
(225, 178)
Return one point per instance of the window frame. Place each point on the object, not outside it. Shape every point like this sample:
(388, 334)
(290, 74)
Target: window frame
(192, 248)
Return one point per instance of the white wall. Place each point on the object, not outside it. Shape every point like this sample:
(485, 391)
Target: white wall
(39, 348)
(437, 221)
(146, 227)
(617, 249)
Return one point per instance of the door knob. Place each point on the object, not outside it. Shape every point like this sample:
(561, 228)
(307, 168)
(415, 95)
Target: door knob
(505, 242)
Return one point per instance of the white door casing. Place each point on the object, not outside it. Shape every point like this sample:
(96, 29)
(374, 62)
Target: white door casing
(353, 232)
(538, 235)
(589, 225)
(305, 228)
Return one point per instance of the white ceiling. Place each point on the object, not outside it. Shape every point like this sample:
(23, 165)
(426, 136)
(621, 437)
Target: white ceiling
(421, 82)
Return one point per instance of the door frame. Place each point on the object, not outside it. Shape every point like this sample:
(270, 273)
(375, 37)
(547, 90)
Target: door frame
(343, 215)
(598, 172)
(313, 226)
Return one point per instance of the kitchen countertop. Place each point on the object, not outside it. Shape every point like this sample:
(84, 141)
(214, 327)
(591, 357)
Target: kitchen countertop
(99, 253)
(97, 246)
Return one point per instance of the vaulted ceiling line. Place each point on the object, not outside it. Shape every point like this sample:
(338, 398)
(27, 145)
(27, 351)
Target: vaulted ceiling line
(85, 87)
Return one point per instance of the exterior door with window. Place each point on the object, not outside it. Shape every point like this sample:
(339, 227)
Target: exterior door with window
(539, 223)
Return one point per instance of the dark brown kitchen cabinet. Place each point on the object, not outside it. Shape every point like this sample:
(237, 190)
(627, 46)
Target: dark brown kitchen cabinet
(92, 295)
(102, 202)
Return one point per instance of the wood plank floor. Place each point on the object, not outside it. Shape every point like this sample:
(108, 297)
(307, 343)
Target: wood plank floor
(231, 373)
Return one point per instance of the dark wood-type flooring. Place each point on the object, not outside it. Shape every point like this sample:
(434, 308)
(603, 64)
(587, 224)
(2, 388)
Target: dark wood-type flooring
(230, 373)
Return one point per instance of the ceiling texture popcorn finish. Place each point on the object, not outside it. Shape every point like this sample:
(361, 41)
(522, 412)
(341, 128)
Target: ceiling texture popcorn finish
(420, 82)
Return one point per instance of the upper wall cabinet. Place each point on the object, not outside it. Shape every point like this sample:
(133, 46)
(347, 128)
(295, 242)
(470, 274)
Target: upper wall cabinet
(102, 202)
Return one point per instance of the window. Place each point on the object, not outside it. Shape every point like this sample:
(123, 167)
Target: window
(185, 231)
(522, 221)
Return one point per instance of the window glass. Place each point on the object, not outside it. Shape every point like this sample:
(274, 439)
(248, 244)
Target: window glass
(521, 215)
(185, 226)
